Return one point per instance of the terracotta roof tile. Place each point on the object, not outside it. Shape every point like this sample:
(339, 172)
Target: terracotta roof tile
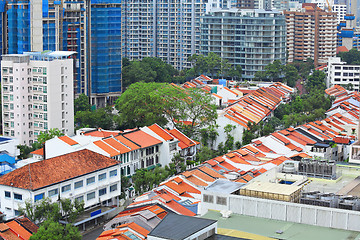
(196, 181)
(161, 132)
(141, 138)
(116, 144)
(26, 223)
(19, 230)
(185, 142)
(203, 175)
(102, 133)
(38, 152)
(110, 150)
(127, 142)
(68, 140)
(135, 227)
(53, 170)
(211, 172)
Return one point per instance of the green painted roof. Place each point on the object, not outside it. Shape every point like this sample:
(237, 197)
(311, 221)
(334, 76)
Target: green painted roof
(267, 227)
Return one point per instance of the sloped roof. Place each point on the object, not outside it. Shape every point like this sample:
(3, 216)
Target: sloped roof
(141, 138)
(53, 170)
(68, 140)
(38, 152)
(161, 132)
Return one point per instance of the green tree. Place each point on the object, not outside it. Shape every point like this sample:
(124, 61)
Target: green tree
(291, 75)
(125, 184)
(351, 57)
(44, 136)
(149, 69)
(316, 81)
(229, 143)
(51, 230)
(304, 68)
(205, 154)
(212, 65)
(272, 72)
(82, 103)
(100, 118)
(249, 133)
(143, 104)
(46, 210)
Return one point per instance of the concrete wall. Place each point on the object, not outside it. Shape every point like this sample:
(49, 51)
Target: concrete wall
(285, 211)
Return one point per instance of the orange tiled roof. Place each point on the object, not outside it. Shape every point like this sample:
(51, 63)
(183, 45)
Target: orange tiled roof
(110, 150)
(117, 145)
(141, 138)
(161, 132)
(68, 140)
(38, 152)
(102, 133)
(138, 229)
(19, 230)
(196, 181)
(211, 172)
(185, 142)
(53, 170)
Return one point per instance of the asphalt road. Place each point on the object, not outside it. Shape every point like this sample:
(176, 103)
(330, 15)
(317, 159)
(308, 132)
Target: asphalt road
(94, 233)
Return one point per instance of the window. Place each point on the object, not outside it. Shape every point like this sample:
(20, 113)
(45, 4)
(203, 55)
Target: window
(113, 188)
(113, 173)
(90, 180)
(102, 191)
(208, 198)
(7, 194)
(221, 200)
(17, 196)
(39, 197)
(79, 199)
(16, 212)
(53, 192)
(90, 196)
(102, 176)
(66, 188)
(78, 184)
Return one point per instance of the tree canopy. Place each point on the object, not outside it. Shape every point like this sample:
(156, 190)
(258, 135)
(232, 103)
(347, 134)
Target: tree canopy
(316, 81)
(82, 103)
(147, 70)
(44, 136)
(144, 104)
(51, 230)
(101, 117)
(212, 65)
(46, 210)
(351, 57)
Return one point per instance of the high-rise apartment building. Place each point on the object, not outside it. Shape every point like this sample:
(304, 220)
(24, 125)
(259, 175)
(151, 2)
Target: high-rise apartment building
(250, 38)
(348, 34)
(311, 33)
(169, 30)
(37, 94)
(91, 28)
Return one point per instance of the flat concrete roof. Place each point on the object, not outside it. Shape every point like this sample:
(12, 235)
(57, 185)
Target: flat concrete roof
(275, 188)
(261, 228)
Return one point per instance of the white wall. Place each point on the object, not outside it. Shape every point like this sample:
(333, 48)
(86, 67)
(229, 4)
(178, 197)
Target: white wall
(286, 211)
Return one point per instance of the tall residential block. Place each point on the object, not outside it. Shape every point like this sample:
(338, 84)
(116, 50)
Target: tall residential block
(37, 94)
(163, 29)
(311, 33)
(90, 28)
(250, 38)
(348, 34)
